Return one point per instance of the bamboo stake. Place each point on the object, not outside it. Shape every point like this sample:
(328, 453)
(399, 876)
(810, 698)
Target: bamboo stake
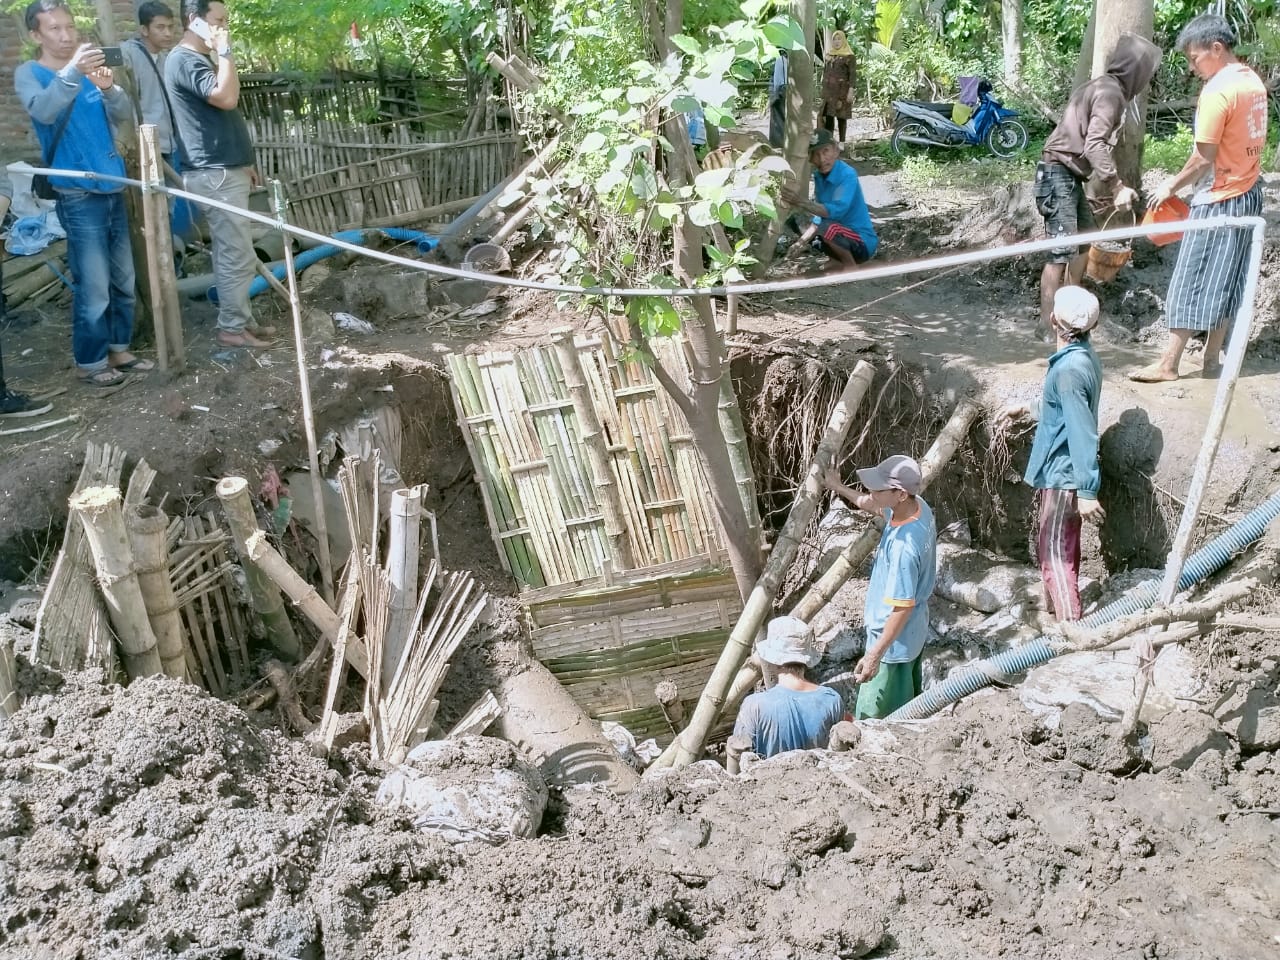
(688, 747)
(10, 701)
(163, 282)
(852, 557)
(99, 509)
(592, 436)
(308, 417)
(403, 551)
(234, 494)
(350, 600)
(146, 527)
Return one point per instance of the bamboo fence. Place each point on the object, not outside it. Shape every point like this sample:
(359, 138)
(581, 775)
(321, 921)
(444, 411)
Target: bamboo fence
(608, 629)
(348, 98)
(535, 471)
(341, 176)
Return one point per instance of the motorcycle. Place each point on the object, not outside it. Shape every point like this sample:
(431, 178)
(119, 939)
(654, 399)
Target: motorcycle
(919, 124)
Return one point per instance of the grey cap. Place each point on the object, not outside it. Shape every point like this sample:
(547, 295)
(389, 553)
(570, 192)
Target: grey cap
(789, 640)
(893, 473)
(821, 138)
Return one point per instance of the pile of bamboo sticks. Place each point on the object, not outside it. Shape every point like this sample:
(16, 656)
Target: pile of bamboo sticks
(41, 278)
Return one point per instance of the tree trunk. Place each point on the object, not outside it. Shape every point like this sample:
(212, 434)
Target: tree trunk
(708, 365)
(1084, 68)
(800, 119)
(1113, 19)
(1011, 32)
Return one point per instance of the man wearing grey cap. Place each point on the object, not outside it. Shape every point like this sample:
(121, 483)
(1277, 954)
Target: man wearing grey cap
(896, 612)
(1064, 455)
(795, 714)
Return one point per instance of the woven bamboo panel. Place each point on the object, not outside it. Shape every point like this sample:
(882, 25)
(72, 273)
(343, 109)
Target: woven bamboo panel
(535, 475)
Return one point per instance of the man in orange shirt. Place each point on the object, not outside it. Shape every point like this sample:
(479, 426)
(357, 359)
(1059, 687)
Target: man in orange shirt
(1231, 133)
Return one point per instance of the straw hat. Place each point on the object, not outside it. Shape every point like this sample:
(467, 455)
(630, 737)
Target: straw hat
(839, 45)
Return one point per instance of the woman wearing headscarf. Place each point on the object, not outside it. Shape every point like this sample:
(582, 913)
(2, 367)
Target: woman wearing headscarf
(837, 84)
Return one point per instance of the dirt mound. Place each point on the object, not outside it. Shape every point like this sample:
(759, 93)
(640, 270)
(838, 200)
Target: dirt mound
(158, 822)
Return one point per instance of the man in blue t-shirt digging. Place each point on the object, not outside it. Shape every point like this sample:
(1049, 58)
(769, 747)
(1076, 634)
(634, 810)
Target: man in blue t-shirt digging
(841, 220)
(794, 714)
(897, 606)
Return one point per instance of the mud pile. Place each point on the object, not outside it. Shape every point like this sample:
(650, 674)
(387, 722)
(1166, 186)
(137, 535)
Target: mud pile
(157, 822)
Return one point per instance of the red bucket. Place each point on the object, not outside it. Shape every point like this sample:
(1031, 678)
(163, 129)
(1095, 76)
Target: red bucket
(1171, 210)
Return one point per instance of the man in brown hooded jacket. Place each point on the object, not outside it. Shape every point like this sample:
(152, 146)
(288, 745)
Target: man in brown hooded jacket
(1081, 146)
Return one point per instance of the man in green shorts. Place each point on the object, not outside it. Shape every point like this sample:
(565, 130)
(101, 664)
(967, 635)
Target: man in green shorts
(897, 606)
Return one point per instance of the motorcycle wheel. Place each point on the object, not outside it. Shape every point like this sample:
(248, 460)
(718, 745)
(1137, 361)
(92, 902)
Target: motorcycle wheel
(909, 128)
(1007, 138)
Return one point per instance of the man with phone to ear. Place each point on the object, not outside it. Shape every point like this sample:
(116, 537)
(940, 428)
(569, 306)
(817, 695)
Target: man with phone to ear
(204, 89)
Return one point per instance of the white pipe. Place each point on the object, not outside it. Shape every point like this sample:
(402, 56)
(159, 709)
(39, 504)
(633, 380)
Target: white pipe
(402, 571)
(1217, 420)
(775, 286)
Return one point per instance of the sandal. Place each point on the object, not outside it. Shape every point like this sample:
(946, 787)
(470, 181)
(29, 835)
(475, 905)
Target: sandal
(136, 365)
(242, 339)
(103, 378)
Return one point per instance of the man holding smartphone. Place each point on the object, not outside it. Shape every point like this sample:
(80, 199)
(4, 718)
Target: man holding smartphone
(204, 90)
(73, 100)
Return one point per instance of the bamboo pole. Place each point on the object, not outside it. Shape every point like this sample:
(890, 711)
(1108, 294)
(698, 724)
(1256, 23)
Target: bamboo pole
(10, 701)
(100, 510)
(304, 596)
(688, 747)
(146, 527)
(591, 433)
(403, 550)
(166, 313)
(238, 508)
(851, 558)
(308, 417)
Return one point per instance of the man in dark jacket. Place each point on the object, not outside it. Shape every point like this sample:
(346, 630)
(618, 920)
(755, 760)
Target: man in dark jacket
(1081, 146)
(1063, 466)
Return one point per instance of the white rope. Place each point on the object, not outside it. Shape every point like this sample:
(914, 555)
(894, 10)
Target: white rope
(1257, 224)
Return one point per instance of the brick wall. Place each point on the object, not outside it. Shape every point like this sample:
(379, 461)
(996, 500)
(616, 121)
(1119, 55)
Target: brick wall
(17, 142)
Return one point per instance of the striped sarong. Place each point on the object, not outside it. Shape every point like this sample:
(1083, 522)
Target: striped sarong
(1209, 277)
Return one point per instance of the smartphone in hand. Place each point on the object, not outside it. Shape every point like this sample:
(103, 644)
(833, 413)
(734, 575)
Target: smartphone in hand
(200, 27)
(113, 56)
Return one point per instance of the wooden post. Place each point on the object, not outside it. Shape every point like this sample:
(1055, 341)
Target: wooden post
(606, 487)
(99, 508)
(688, 747)
(308, 417)
(161, 279)
(234, 494)
(734, 748)
(403, 551)
(147, 528)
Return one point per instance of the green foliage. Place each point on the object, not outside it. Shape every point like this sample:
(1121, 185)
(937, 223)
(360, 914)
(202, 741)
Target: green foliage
(613, 205)
(1168, 153)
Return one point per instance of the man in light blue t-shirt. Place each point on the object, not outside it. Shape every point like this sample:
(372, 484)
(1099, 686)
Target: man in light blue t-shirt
(902, 575)
(795, 714)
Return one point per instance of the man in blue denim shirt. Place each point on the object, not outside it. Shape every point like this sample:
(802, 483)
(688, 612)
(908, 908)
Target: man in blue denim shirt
(1064, 456)
(70, 82)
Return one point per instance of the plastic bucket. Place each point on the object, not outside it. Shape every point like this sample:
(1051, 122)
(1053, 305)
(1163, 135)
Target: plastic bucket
(1106, 259)
(1170, 211)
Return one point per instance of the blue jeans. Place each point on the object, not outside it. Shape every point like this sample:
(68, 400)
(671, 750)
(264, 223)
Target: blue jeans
(101, 260)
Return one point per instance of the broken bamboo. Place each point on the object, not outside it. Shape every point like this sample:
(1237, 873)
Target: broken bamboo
(99, 509)
(403, 550)
(147, 527)
(591, 434)
(852, 557)
(10, 701)
(263, 592)
(688, 747)
(478, 718)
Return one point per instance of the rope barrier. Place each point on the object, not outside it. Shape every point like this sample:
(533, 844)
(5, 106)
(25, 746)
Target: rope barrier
(1257, 224)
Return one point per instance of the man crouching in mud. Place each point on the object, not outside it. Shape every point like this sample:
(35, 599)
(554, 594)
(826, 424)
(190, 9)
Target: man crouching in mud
(840, 216)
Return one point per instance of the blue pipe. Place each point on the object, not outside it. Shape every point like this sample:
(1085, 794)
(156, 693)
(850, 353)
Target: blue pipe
(425, 244)
(1206, 561)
